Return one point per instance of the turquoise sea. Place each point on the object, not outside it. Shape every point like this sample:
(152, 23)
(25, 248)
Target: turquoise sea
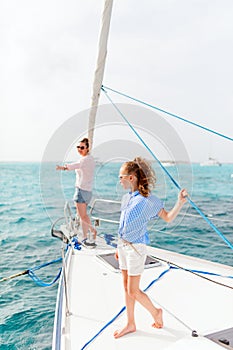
(32, 197)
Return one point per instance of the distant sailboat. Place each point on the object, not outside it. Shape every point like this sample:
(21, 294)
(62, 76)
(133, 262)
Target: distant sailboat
(167, 163)
(211, 162)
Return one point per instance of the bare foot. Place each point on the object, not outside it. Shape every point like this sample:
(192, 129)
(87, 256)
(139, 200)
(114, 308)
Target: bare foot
(158, 319)
(127, 329)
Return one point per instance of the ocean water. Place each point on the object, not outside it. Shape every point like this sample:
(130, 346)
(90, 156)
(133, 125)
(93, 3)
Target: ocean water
(32, 198)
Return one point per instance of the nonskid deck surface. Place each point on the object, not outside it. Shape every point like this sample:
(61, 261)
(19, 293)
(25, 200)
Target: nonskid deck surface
(188, 303)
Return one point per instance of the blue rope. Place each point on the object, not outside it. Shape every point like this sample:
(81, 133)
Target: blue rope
(120, 312)
(168, 113)
(103, 328)
(210, 223)
(209, 273)
(110, 239)
(46, 264)
(149, 286)
(143, 142)
(169, 175)
(39, 281)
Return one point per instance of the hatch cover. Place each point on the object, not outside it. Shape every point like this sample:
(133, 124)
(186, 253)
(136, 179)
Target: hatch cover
(224, 338)
(111, 261)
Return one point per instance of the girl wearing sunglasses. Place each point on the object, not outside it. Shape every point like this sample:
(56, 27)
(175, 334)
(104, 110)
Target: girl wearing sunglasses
(138, 207)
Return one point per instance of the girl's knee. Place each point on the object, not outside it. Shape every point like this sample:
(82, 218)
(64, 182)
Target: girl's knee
(133, 293)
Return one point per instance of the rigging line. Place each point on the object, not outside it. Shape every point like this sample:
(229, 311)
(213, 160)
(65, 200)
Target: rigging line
(167, 172)
(122, 309)
(170, 233)
(169, 113)
(140, 138)
(196, 272)
(171, 314)
(194, 333)
(230, 245)
(212, 218)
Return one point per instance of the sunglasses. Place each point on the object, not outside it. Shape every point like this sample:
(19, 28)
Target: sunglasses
(121, 176)
(81, 147)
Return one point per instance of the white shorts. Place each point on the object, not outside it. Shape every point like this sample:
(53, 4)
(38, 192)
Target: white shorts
(131, 259)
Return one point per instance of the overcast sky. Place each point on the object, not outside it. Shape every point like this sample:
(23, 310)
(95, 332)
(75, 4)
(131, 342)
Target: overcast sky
(175, 54)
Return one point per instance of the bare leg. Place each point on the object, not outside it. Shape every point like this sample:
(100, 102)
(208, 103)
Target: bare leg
(132, 293)
(81, 209)
(135, 292)
(130, 303)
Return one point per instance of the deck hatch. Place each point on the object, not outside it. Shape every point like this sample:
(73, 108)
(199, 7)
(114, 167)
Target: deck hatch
(224, 338)
(109, 259)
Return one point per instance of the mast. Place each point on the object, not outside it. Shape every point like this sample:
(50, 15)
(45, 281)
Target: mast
(99, 72)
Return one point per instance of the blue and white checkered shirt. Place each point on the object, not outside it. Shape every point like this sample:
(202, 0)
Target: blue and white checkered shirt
(136, 212)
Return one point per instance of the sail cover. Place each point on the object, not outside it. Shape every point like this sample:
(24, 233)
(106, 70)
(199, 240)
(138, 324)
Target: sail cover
(99, 72)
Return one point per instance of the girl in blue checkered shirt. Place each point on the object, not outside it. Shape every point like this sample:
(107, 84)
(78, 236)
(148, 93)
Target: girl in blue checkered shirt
(139, 206)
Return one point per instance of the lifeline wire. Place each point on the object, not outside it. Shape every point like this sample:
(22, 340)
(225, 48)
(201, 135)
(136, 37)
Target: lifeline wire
(198, 273)
(168, 113)
(167, 172)
(195, 272)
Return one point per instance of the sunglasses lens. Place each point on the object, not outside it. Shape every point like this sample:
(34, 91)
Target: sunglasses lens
(122, 176)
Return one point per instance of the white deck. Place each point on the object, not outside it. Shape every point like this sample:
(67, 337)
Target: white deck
(96, 296)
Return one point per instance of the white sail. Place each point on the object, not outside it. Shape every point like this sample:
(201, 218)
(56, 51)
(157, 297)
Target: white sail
(99, 72)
